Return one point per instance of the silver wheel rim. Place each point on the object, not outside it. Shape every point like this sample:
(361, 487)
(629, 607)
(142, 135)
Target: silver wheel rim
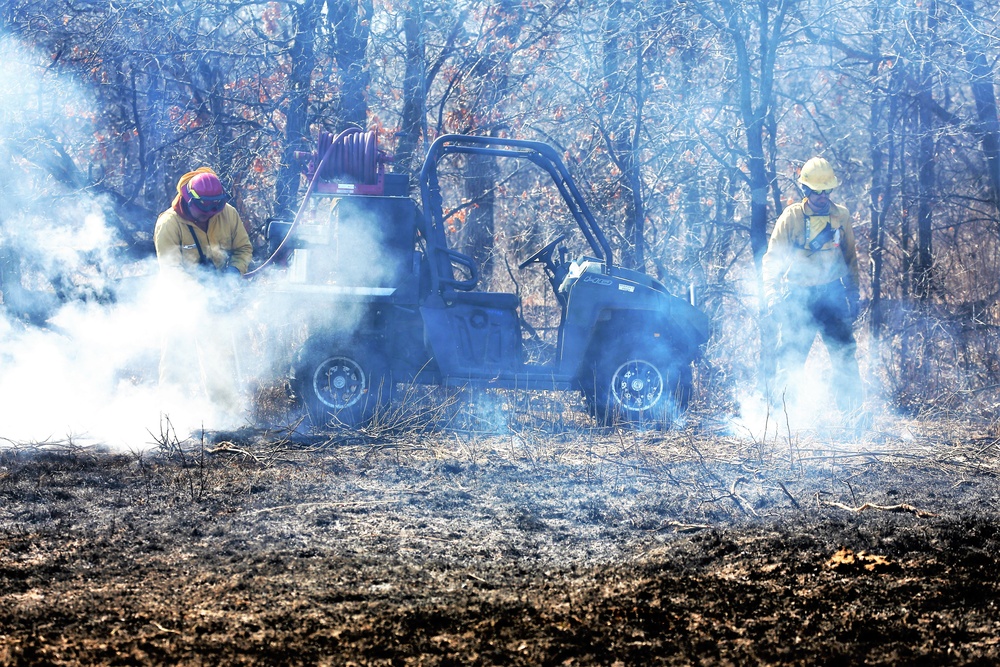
(339, 382)
(637, 386)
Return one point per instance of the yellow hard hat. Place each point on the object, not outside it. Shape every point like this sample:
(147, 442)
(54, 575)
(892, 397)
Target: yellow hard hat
(817, 174)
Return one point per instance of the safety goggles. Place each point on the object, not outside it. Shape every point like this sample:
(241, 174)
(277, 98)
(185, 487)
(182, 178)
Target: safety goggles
(810, 192)
(208, 203)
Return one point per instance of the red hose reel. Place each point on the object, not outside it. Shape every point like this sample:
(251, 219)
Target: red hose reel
(350, 163)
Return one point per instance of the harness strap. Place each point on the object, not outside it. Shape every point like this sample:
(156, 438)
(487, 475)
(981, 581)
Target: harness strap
(202, 260)
(824, 236)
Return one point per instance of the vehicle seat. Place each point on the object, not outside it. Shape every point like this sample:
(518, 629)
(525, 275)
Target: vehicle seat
(491, 300)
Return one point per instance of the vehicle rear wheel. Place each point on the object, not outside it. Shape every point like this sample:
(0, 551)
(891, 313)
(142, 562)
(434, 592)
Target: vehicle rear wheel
(640, 389)
(344, 384)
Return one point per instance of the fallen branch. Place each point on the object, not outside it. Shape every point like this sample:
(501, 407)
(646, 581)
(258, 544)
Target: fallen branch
(343, 503)
(903, 507)
(163, 629)
(680, 527)
(794, 502)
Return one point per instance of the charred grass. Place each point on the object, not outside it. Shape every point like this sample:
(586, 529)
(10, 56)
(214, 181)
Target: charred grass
(414, 542)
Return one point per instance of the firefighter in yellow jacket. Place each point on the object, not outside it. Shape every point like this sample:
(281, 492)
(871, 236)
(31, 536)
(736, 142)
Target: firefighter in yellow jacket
(202, 246)
(811, 281)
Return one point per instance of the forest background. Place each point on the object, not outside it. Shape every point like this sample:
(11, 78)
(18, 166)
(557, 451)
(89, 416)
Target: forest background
(684, 122)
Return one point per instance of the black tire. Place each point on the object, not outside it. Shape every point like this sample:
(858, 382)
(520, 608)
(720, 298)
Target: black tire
(343, 384)
(639, 389)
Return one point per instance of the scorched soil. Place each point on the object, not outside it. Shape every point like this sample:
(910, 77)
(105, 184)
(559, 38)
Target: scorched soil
(592, 548)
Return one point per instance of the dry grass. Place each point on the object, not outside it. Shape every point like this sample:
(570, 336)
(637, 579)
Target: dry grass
(275, 542)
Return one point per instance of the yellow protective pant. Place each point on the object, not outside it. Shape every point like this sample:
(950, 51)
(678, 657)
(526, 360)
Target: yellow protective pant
(203, 367)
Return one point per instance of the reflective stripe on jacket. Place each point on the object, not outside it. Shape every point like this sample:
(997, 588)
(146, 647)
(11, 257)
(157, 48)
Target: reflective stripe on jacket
(788, 261)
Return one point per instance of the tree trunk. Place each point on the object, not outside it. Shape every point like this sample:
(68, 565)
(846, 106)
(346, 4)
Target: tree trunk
(622, 132)
(491, 74)
(981, 81)
(923, 277)
(414, 117)
(302, 55)
(883, 171)
(882, 119)
(351, 24)
(481, 175)
(906, 191)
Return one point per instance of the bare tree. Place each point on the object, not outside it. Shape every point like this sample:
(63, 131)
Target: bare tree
(350, 23)
(302, 62)
(754, 32)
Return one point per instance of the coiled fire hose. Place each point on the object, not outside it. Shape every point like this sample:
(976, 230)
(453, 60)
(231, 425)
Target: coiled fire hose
(352, 155)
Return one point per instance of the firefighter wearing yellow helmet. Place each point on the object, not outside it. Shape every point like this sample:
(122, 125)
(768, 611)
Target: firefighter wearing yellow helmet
(811, 281)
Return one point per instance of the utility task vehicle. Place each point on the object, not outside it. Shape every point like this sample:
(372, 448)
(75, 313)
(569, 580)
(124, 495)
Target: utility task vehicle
(395, 304)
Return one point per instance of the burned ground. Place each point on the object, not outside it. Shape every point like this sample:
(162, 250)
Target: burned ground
(454, 548)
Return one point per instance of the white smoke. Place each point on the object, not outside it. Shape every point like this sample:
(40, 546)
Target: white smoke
(80, 331)
(90, 374)
(807, 400)
(807, 405)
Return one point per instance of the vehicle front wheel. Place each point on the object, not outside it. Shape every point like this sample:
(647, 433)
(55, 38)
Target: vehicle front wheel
(341, 383)
(641, 390)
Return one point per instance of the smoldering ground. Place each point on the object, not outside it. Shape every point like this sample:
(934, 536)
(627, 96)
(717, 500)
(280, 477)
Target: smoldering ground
(89, 371)
(585, 547)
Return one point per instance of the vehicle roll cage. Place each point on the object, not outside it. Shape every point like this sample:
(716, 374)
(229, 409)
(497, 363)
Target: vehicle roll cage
(540, 154)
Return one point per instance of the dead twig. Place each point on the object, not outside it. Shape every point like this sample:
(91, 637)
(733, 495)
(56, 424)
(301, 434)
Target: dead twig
(163, 629)
(990, 445)
(902, 507)
(739, 500)
(788, 494)
(679, 527)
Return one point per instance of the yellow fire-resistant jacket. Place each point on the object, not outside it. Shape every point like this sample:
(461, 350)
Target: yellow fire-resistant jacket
(225, 243)
(789, 263)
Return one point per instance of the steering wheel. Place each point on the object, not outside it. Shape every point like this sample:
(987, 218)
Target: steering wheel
(544, 255)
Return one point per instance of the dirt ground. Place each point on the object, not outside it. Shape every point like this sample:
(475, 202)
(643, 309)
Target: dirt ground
(537, 547)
